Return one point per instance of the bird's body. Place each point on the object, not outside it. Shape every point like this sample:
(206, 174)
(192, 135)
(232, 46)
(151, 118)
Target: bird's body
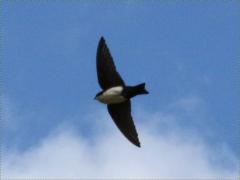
(111, 96)
(116, 94)
(119, 94)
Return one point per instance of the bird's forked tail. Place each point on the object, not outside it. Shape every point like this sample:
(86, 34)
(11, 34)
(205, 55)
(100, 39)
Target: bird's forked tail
(140, 89)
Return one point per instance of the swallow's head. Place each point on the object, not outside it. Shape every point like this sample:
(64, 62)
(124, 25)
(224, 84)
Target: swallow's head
(97, 95)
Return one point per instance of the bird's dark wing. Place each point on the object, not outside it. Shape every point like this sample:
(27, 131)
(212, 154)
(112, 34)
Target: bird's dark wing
(107, 74)
(121, 114)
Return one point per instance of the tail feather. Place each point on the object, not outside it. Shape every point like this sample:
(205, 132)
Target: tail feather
(141, 89)
(131, 91)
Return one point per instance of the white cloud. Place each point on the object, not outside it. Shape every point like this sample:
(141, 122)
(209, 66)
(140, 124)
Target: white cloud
(170, 154)
(67, 154)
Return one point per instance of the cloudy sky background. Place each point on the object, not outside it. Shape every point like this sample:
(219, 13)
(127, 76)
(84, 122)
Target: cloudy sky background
(185, 51)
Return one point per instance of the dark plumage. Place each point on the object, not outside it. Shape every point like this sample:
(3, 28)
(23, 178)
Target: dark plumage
(116, 94)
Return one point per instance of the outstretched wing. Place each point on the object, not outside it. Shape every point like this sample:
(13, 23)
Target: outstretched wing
(106, 71)
(121, 115)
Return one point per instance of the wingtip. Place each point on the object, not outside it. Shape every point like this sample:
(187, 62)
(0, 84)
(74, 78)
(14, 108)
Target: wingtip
(102, 39)
(138, 145)
(101, 42)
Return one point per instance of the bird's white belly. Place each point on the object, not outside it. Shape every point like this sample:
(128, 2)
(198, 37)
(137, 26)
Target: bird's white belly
(112, 96)
(111, 99)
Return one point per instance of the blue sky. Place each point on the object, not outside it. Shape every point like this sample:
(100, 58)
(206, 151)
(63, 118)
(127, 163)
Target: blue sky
(186, 51)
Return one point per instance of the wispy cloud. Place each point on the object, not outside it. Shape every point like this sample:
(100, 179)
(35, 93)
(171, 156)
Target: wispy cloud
(167, 154)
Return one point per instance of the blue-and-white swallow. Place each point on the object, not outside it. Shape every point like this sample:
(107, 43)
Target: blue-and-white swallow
(116, 94)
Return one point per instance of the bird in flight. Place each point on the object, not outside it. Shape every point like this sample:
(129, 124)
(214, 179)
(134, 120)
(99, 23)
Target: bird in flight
(116, 94)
